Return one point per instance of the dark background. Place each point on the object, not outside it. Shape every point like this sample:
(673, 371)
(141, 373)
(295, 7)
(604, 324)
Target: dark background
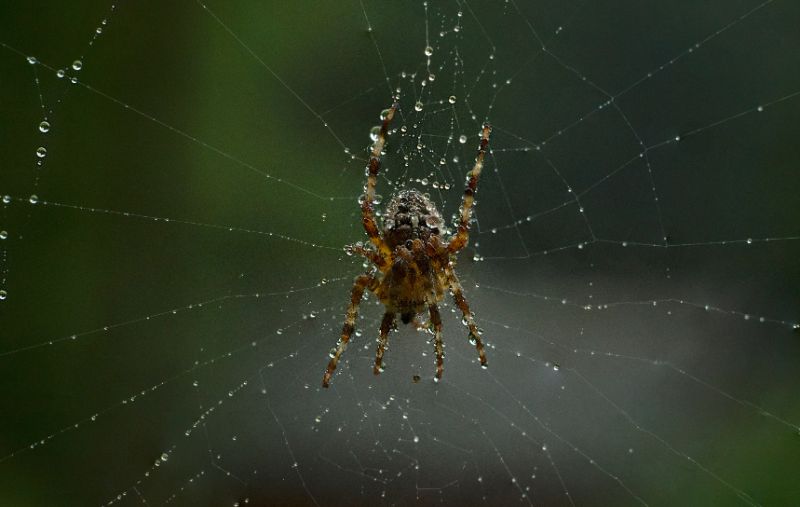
(171, 297)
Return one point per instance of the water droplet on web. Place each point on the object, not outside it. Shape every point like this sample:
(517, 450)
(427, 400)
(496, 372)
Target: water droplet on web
(416, 439)
(418, 106)
(60, 73)
(77, 65)
(3, 234)
(6, 199)
(32, 60)
(3, 294)
(428, 52)
(749, 241)
(164, 456)
(44, 126)
(33, 199)
(462, 139)
(41, 152)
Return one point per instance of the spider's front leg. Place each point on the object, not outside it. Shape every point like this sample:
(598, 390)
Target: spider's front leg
(361, 284)
(461, 302)
(438, 345)
(383, 340)
(459, 241)
(374, 166)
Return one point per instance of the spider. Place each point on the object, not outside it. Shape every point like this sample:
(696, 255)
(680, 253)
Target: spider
(414, 264)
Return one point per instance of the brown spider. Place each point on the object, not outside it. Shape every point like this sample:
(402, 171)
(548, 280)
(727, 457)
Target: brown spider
(414, 264)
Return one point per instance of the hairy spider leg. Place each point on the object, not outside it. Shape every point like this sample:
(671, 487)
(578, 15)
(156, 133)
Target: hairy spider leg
(463, 305)
(361, 283)
(374, 166)
(438, 346)
(383, 340)
(372, 255)
(459, 241)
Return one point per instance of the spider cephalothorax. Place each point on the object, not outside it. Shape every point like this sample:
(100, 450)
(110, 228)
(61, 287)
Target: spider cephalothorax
(414, 262)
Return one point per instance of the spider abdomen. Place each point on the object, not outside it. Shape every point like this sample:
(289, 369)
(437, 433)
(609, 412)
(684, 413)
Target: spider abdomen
(410, 215)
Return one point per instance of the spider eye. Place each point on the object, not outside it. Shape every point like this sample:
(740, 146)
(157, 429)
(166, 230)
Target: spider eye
(409, 244)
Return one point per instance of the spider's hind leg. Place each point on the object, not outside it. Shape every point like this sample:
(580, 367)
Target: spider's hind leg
(373, 168)
(461, 237)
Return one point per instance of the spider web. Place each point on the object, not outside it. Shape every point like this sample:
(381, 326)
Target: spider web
(179, 180)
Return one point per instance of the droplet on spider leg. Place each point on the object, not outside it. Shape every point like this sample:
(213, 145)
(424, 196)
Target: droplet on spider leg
(374, 133)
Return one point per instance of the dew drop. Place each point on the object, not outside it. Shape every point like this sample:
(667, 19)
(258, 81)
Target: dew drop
(462, 139)
(41, 152)
(77, 65)
(3, 234)
(33, 199)
(749, 241)
(428, 52)
(452, 99)
(374, 133)
(3, 294)
(60, 73)
(164, 456)
(44, 126)
(418, 106)
(32, 60)
(6, 199)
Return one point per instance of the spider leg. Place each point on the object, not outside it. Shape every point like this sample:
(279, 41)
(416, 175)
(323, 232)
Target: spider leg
(438, 346)
(459, 241)
(386, 326)
(361, 283)
(419, 325)
(372, 255)
(367, 213)
(463, 305)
